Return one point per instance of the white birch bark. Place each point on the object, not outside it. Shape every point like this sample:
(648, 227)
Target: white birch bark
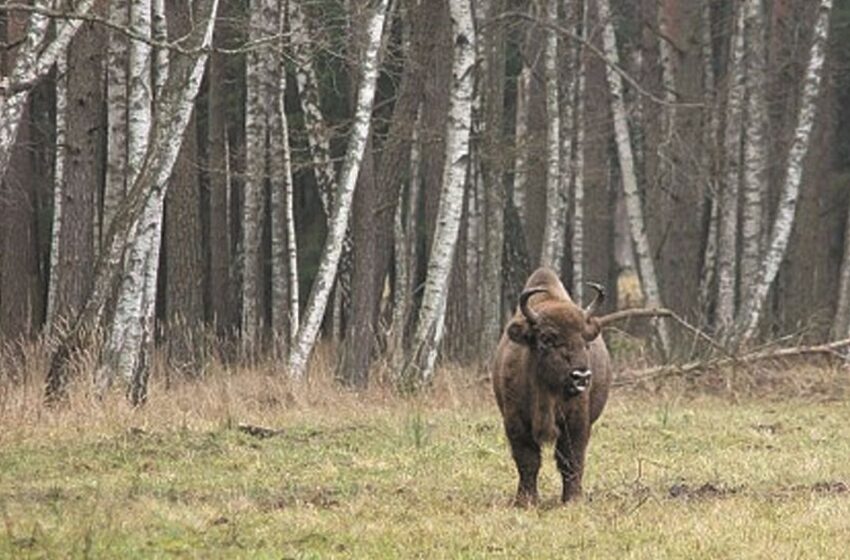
(284, 304)
(780, 232)
(523, 94)
(159, 33)
(727, 239)
(431, 323)
(755, 145)
(116, 93)
(553, 229)
(629, 178)
(58, 188)
(130, 323)
(338, 224)
(257, 110)
(667, 61)
(318, 138)
(405, 248)
(33, 60)
(709, 139)
(577, 248)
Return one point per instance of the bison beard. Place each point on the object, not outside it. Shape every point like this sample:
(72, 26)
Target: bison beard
(551, 376)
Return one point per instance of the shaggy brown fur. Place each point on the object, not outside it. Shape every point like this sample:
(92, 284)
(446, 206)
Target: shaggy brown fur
(545, 359)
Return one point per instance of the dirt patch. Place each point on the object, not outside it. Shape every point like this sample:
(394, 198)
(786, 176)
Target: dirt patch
(707, 490)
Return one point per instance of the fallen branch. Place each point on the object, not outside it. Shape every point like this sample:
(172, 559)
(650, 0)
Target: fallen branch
(654, 312)
(697, 367)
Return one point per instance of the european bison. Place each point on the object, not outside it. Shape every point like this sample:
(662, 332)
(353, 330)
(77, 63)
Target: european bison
(551, 376)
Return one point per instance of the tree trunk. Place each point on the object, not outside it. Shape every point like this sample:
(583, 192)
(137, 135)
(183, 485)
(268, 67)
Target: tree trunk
(577, 247)
(33, 60)
(172, 112)
(184, 290)
(633, 203)
(221, 304)
(127, 335)
(554, 230)
(72, 246)
(727, 240)
(755, 145)
(429, 331)
(284, 250)
(317, 302)
(116, 97)
(780, 232)
(841, 320)
(493, 146)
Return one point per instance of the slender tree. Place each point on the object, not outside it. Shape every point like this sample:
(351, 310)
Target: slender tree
(317, 302)
(633, 202)
(429, 331)
(780, 231)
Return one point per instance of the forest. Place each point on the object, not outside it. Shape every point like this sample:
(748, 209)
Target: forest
(245, 181)
(256, 257)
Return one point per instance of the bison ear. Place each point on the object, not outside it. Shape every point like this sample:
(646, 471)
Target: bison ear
(520, 332)
(592, 328)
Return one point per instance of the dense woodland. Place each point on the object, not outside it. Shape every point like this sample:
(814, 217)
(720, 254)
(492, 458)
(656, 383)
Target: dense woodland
(241, 180)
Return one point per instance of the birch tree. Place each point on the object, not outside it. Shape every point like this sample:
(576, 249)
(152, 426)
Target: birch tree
(554, 225)
(727, 232)
(633, 204)
(172, 115)
(755, 144)
(577, 248)
(257, 113)
(116, 115)
(430, 325)
(33, 60)
(780, 231)
(338, 223)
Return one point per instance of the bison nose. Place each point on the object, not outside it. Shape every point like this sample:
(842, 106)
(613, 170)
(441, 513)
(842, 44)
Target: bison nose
(580, 378)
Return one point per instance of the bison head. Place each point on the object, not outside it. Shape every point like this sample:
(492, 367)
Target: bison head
(558, 332)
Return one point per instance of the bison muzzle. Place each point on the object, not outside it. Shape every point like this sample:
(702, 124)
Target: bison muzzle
(551, 376)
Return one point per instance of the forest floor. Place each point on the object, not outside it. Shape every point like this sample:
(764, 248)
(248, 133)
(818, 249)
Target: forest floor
(730, 470)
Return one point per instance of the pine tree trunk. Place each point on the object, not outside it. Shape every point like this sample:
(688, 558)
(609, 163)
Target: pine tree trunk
(222, 307)
(72, 246)
(633, 202)
(184, 290)
(494, 189)
(429, 332)
(841, 321)
(780, 232)
(727, 240)
(338, 224)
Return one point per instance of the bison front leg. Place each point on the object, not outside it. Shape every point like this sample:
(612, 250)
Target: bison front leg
(526, 454)
(569, 455)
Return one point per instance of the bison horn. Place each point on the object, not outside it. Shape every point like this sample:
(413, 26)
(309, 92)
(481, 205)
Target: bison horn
(597, 299)
(529, 313)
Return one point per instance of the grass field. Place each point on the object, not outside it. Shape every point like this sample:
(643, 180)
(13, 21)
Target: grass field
(680, 472)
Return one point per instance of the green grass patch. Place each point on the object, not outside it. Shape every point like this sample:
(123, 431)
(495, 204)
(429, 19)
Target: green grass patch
(697, 477)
